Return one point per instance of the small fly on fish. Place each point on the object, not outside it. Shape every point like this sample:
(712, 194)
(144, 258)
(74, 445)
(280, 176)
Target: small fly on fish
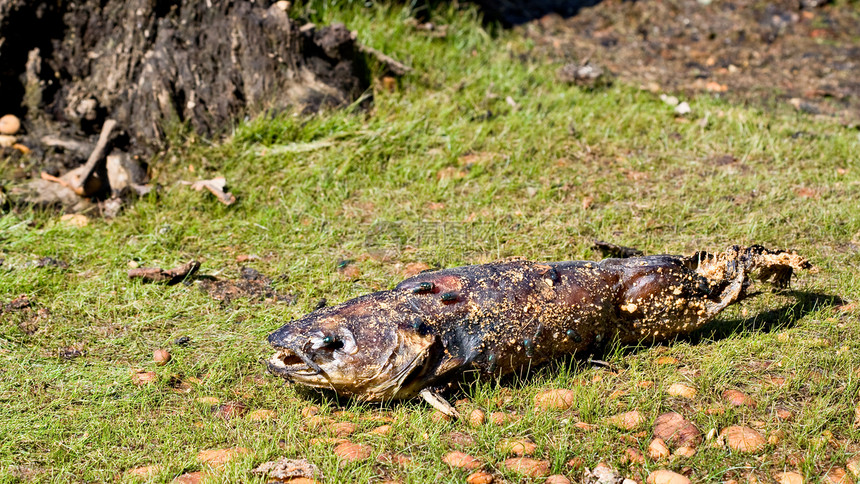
(496, 318)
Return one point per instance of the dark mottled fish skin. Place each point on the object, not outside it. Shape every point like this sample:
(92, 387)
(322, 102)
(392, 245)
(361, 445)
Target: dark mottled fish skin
(496, 318)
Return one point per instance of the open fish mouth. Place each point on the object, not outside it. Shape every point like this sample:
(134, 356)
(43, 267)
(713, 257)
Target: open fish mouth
(287, 362)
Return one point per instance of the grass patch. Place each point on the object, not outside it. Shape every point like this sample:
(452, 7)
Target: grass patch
(443, 171)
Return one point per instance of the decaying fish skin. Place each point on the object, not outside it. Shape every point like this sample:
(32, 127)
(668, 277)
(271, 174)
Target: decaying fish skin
(496, 318)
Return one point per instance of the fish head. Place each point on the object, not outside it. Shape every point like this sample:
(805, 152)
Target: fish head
(367, 347)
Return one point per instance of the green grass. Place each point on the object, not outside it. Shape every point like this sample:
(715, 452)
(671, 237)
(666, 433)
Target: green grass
(369, 186)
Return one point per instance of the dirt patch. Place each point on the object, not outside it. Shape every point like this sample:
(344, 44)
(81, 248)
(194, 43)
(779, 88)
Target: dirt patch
(252, 285)
(747, 50)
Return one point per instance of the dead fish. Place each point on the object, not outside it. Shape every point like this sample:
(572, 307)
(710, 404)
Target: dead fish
(496, 318)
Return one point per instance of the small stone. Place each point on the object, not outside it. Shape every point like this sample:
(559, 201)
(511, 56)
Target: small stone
(9, 124)
(144, 471)
(480, 477)
(743, 439)
(381, 430)
(231, 410)
(261, 415)
(220, 457)
(477, 418)
(627, 420)
(853, 466)
(557, 479)
(459, 439)
(141, 378)
(634, 456)
(132, 264)
(837, 475)
(351, 451)
(670, 100)
(737, 398)
(527, 467)
(657, 449)
(461, 460)
(342, 429)
(672, 427)
(518, 447)
(776, 437)
(7, 141)
(283, 5)
(190, 478)
(586, 427)
(78, 220)
(789, 478)
(683, 109)
(666, 477)
(161, 357)
(500, 418)
(784, 414)
(556, 399)
(685, 451)
(310, 411)
(682, 390)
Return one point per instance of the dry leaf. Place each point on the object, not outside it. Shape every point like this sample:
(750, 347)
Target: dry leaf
(682, 390)
(480, 477)
(351, 451)
(789, 478)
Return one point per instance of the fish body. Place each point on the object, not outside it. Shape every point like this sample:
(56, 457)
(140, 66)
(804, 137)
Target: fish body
(496, 318)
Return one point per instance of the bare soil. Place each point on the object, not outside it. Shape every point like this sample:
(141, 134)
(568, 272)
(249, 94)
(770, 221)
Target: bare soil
(760, 51)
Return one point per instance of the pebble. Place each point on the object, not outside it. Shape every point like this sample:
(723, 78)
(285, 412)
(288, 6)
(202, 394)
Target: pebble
(231, 410)
(837, 475)
(666, 477)
(220, 457)
(670, 100)
(351, 451)
(557, 479)
(75, 220)
(685, 451)
(342, 429)
(7, 141)
(682, 390)
(9, 124)
(738, 398)
(556, 399)
(381, 430)
(683, 108)
(461, 460)
(657, 449)
(477, 418)
(261, 415)
(480, 477)
(519, 447)
(627, 420)
(854, 467)
(527, 466)
(674, 428)
(141, 378)
(743, 439)
(161, 357)
(789, 478)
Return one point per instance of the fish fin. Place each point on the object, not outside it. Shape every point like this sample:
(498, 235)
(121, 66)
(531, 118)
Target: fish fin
(439, 403)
